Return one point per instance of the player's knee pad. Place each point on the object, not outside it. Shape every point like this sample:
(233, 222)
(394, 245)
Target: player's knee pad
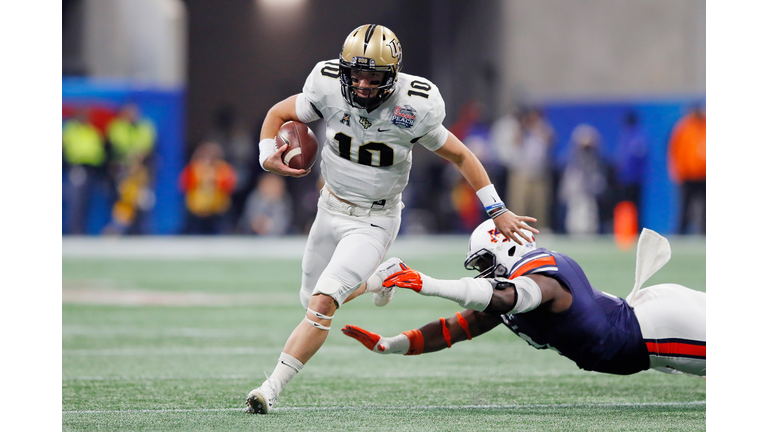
(332, 288)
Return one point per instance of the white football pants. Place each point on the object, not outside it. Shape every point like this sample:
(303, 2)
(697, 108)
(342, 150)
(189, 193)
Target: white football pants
(673, 320)
(345, 246)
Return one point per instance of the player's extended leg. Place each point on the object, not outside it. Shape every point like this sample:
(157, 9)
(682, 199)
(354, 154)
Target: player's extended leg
(305, 340)
(318, 251)
(673, 321)
(355, 257)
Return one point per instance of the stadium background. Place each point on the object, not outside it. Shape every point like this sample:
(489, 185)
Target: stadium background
(585, 63)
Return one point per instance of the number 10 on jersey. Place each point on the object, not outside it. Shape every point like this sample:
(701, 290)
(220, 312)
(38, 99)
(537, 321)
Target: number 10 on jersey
(365, 152)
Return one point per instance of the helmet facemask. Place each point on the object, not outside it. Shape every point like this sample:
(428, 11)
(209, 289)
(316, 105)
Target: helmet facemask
(484, 261)
(350, 91)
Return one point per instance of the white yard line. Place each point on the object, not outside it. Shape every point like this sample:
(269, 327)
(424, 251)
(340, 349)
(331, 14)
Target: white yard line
(134, 297)
(228, 247)
(413, 407)
(292, 247)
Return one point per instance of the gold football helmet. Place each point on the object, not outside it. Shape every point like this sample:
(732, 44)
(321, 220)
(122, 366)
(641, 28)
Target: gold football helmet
(370, 48)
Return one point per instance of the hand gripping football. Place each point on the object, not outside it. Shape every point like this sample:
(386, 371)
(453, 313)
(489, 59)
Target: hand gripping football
(302, 145)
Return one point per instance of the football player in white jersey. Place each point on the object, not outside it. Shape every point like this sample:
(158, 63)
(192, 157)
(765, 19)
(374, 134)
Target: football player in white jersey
(374, 115)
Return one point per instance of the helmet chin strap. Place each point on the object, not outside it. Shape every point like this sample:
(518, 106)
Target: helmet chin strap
(368, 103)
(362, 101)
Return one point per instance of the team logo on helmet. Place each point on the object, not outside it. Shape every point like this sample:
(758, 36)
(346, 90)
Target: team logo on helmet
(404, 117)
(395, 48)
(497, 236)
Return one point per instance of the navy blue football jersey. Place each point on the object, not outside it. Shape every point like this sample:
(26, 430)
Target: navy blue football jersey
(599, 331)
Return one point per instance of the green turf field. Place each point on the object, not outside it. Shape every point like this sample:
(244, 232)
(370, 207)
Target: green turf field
(172, 335)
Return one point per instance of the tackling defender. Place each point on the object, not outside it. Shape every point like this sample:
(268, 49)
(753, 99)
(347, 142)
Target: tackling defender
(546, 299)
(374, 115)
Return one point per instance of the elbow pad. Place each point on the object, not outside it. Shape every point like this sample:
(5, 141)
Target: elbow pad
(528, 295)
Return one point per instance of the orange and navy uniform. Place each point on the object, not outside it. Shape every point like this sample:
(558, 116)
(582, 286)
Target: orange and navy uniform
(599, 331)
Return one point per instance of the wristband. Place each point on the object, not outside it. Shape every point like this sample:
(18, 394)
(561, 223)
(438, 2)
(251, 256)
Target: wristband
(416, 342)
(493, 204)
(267, 146)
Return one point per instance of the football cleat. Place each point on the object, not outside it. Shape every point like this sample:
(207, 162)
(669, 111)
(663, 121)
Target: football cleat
(262, 399)
(389, 267)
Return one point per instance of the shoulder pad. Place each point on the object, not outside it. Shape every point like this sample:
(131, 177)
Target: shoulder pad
(424, 97)
(323, 80)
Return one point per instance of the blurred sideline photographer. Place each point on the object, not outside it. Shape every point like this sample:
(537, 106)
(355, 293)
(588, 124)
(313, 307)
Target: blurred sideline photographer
(132, 139)
(207, 181)
(688, 168)
(268, 210)
(546, 299)
(84, 157)
(374, 115)
(583, 183)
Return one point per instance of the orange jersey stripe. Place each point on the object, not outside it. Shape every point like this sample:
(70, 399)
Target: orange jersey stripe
(539, 262)
(676, 348)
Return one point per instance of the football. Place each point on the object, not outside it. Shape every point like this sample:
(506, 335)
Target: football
(302, 145)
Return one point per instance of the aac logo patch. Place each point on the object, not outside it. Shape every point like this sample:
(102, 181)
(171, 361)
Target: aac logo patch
(404, 117)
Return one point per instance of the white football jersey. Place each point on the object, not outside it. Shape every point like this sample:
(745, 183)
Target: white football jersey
(366, 158)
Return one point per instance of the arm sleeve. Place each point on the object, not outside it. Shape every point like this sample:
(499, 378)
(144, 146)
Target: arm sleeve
(306, 112)
(435, 138)
(528, 295)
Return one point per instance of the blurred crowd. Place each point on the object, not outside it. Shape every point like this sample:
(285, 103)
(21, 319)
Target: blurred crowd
(582, 191)
(108, 153)
(585, 190)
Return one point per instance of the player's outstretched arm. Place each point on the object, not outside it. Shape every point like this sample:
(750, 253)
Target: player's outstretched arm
(468, 292)
(434, 336)
(493, 296)
(473, 171)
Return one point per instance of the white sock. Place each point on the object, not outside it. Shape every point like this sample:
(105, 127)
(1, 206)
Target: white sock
(373, 284)
(471, 293)
(287, 368)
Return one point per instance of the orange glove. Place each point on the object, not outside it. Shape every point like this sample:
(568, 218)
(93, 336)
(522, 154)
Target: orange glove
(408, 343)
(363, 336)
(405, 279)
